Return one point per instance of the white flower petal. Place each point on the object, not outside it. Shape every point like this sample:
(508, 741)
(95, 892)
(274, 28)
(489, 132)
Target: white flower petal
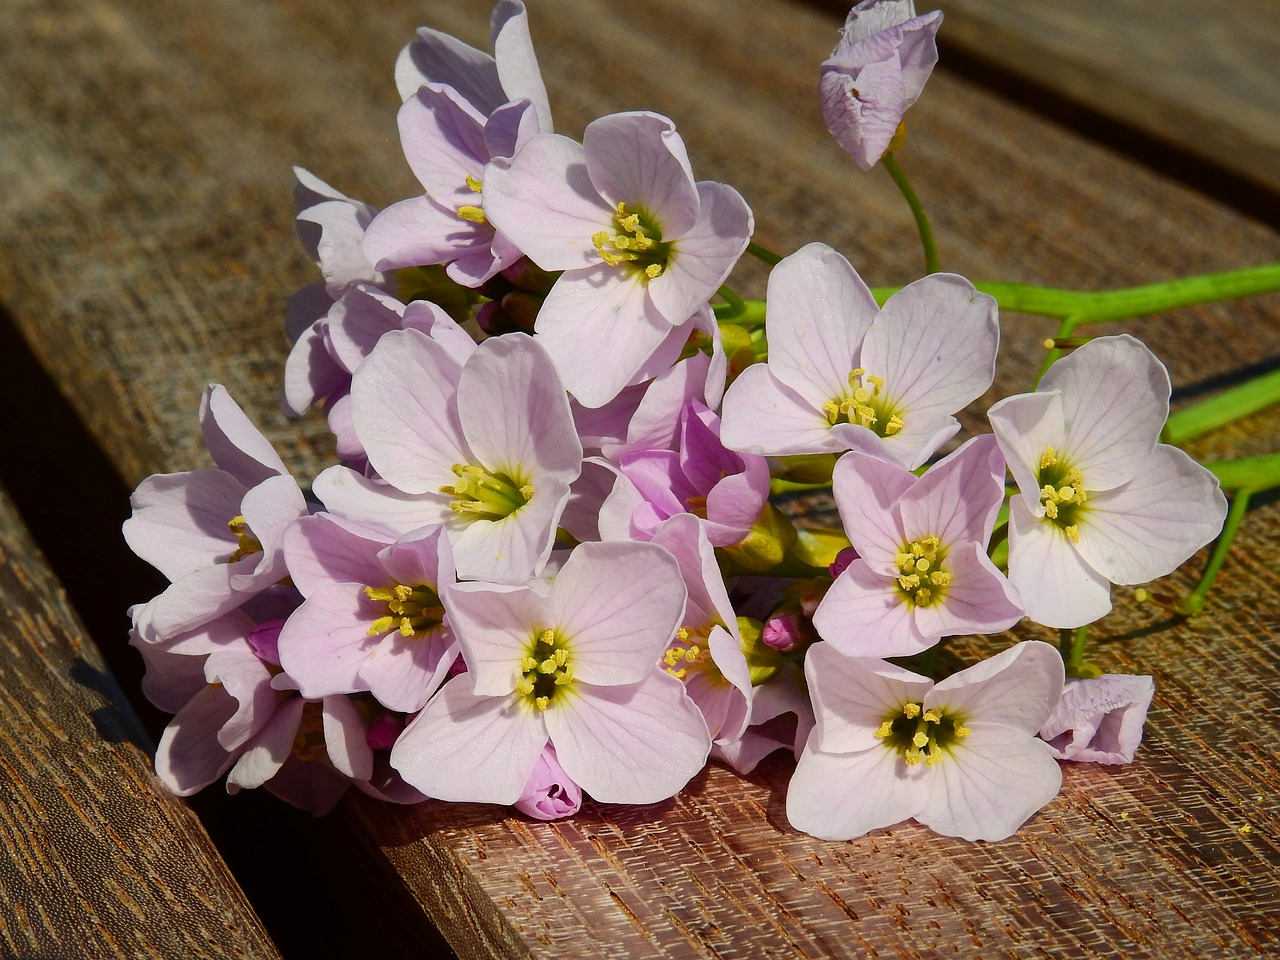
(1057, 587)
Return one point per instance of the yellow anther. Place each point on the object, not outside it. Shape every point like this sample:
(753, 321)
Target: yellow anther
(542, 702)
(381, 625)
(884, 730)
(564, 676)
(547, 636)
(940, 578)
(1072, 532)
(877, 382)
(473, 184)
(474, 214)
(909, 582)
(1048, 459)
(923, 596)
(524, 686)
(911, 710)
(653, 270)
(548, 665)
(933, 715)
(527, 664)
(961, 730)
(913, 757)
(893, 426)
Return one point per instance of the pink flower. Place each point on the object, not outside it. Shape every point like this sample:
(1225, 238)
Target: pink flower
(216, 534)
(922, 571)
(642, 245)
(1100, 500)
(549, 793)
(573, 665)
(844, 374)
(875, 73)
(1099, 720)
(960, 756)
(486, 448)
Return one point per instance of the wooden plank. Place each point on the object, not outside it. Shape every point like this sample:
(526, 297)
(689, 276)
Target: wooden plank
(100, 860)
(1199, 76)
(145, 250)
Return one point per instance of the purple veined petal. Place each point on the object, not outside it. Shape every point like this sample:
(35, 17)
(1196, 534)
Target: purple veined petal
(334, 233)
(543, 201)
(469, 748)
(310, 372)
(269, 749)
(618, 604)
(510, 126)
(515, 548)
(864, 614)
(1115, 396)
(1018, 688)
(764, 416)
(934, 343)
(269, 509)
(354, 497)
(443, 140)
(197, 598)
(708, 600)
(234, 442)
(1057, 586)
(405, 413)
(305, 307)
(1148, 527)
(603, 429)
(612, 311)
(1026, 426)
(403, 672)
(863, 107)
(248, 680)
(514, 412)
(990, 784)
(325, 641)
(734, 504)
(420, 556)
(655, 421)
(919, 52)
(869, 18)
(705, 254)
(656, 477)
(819, 311)
(587, 496)
(734, 691)
(977, 600)
(638, 159)
(345, 738)
(496, 624)
(179, 521)
(1099, 720)
(324, 549)
(358, 320)
(549, 794)
(516, 62)
(634, 743)
(172, 679)
(189, 757)
(440, 327)
(311, 786)
(852, 697)
(436, 57)
(842, 796)
(867, 491)
(959, 496)
(419, 231)
(623, 506)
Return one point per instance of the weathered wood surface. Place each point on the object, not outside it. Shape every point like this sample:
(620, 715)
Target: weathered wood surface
(1199, 76)
(146, 248)
(99, 859)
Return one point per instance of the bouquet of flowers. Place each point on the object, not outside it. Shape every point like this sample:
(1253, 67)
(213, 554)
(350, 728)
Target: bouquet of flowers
(550, 562)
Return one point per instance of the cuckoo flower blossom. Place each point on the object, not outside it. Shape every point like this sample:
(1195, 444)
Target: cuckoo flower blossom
(642, 245)
(486, 448)
(844, 374)
(1100, 500)
(1099, 719)
(574, 665)
(922, 571)
(960, 756)
(875, 73)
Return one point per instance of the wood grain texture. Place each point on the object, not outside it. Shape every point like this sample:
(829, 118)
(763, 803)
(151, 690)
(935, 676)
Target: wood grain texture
(100, 860)
(1201, 76)
(145, 248)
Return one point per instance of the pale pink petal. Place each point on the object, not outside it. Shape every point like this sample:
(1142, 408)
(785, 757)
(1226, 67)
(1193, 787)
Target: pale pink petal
(515, 548)
(248, 680)
(1026, 426)
(639, 159)
(198, 598)
(189, 757)
(353, 497)
(1149, 526)
(852, 697)
(842, 796)
(234, 442)
(323, 549)
(469, 748)
(637, 743)
(705, 253)
(864, 614)
(310, 372)
(550, 793)
(618, 605)
(959, 496)
(269, 749)
(420, 230)
(404, 671)
(357, 322)
(990, 784)
(436, 57)
(1115, 396)
(325, 641)
(497, 625)
(346, 739)
(1099, 720)
(179, 521)
(863, 110)
(867, 491)
(1055, 584)
(517, 65)
(764, 416)
(977, 600)
(1018, 688)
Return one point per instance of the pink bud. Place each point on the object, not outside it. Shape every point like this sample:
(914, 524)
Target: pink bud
(549, 794)
(265, 641)
(1099, 720)
(782, 632)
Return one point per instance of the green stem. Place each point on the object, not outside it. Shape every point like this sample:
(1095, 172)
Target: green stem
(1193, 602)
(736, 307)
(762, 253)
(1248, 474)
(1073, 646)
(890, 163)
(745, 313)
(1065, 328)
(1239, 401)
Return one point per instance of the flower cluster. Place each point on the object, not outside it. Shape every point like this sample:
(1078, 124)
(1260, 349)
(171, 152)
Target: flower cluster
(547, 565)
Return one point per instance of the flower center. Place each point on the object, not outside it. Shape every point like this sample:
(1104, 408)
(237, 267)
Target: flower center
(486, 495)
(921, 735)
(246, 542)
(865, 405)
(467, 211)
(689, 651)
(635, 242)
(1062, 493)
(413, 610)
(545, 669)
(922, 581)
